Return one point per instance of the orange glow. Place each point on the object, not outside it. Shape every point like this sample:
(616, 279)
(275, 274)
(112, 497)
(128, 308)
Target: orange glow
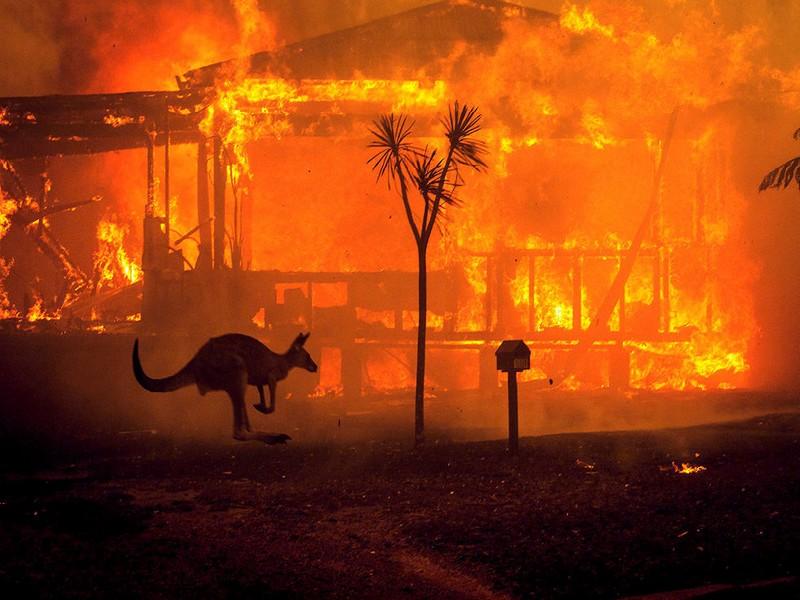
(330, 384)
(575, 115)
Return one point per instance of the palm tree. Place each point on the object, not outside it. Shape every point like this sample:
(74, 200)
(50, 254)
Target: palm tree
(783, 175)
(436, 179)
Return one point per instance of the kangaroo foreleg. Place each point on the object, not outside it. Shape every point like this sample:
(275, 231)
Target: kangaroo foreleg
(262, 406)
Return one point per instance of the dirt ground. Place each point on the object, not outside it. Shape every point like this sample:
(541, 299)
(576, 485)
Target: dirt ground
(574, 515)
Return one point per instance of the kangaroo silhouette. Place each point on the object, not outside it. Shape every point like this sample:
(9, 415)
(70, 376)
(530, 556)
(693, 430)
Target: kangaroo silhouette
(230, 363)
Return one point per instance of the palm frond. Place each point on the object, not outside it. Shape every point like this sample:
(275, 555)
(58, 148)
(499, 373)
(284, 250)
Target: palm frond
(391, 135)
(428, 175)
(782, 175)
(461, 124)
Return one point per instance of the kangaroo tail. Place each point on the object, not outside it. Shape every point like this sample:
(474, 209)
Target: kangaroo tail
(168, 384)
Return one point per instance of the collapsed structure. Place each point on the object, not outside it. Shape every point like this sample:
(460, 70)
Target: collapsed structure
(578, 260)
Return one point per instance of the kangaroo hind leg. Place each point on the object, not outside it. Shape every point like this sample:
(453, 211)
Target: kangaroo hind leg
(241, 424)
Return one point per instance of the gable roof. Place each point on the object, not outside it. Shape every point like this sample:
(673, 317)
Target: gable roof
(395, 47)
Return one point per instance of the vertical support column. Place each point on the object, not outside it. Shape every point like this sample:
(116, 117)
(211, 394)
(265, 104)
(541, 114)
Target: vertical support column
(246, 226)
(219, 206)
(657, 281)
(166, 173)
(501, 293)
(709, 299)
(699, 209)
(489, 296)
(666, 319)
(351, 370)
(310, 323)
(204, 260)
(577, 286)
(622, 325)
(149, 207)
(487, 371)
(152, 245)
(532, 293)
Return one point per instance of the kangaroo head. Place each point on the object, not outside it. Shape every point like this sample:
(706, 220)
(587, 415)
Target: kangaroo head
(299, 356)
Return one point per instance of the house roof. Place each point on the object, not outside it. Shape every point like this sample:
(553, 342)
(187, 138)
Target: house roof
(88, 123)
(395, 47)
(400, 46)
(514, 348)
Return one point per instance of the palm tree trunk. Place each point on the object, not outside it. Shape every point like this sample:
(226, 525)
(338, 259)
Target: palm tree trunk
(419, 398)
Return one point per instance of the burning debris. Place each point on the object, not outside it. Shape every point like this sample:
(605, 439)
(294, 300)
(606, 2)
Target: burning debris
(687, 468)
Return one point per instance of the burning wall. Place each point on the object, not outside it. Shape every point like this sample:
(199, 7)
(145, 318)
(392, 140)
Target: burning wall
(576, 110)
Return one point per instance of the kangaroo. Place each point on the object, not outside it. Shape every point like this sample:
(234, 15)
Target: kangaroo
(230, 363)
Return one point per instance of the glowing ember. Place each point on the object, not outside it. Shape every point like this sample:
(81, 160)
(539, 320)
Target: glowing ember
(686, 468)
(119, 121)
(259, 319)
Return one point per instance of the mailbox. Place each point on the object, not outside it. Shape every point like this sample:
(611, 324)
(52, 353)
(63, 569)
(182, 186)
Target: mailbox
(512, 356)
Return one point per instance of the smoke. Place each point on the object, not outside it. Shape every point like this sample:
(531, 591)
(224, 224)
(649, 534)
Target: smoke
(31, 52)
(81, 46)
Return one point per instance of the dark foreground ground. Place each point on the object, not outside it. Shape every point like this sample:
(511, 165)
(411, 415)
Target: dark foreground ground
(576, 515)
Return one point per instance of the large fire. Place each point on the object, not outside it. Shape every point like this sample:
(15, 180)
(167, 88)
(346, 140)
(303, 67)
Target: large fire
(576, 112)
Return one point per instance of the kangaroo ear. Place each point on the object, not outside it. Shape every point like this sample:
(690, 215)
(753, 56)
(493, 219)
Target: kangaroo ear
(300, 339)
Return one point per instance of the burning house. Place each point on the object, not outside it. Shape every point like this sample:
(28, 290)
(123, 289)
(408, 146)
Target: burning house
(606, 233)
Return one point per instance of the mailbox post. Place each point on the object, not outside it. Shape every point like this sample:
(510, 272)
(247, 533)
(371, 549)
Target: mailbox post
(513, 356)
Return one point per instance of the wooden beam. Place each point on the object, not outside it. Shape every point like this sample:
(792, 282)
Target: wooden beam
(204, 260)
(219, 205)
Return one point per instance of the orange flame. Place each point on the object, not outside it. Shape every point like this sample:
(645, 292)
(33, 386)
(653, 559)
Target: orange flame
(112, 264)
(687, 468)
(582, 21)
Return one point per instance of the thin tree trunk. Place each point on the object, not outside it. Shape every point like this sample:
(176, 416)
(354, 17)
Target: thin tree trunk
(419, 398)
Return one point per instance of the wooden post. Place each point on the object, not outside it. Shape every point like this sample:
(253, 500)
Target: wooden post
(667, 325)
(149, 207)
(657, 281)
(622, 324)
(219, 206)
(513, 416)
(489, 296)
(166, 174)
(204, 260)
(501, 296)
(577, 288)
(532, 294)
